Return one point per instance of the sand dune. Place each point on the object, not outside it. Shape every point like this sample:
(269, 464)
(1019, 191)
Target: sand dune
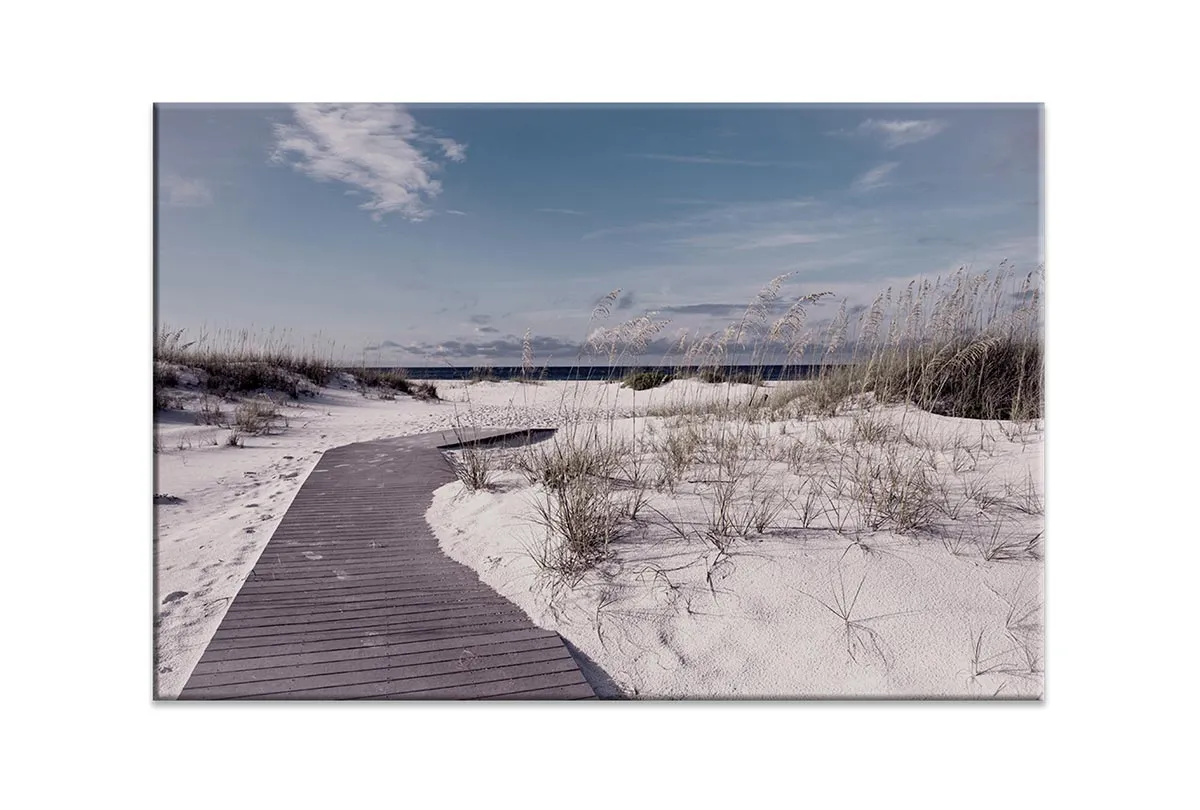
(663, 615)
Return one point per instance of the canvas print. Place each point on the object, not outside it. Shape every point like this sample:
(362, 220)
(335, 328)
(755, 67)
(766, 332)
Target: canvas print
(574, 402)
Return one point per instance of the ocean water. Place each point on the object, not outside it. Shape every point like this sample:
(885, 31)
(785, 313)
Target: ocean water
(568, 373)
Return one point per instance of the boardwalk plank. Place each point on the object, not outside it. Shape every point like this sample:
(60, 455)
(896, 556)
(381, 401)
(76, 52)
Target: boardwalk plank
(380, 674)
(392, 623)
(448, 685)
(320, 619)
(353, 599)
(485, 645)
(465, 636)
(367, 633)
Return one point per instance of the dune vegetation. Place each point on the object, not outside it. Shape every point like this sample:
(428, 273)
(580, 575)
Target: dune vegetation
(696, 528)
(910, 440)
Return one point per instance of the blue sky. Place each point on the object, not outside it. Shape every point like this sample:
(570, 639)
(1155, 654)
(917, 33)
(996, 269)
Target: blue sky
(407, 235)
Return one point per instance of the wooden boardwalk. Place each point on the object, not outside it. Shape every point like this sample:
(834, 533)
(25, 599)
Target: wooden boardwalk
(352, 599)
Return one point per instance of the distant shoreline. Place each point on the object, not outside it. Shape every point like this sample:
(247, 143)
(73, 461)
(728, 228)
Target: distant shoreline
(598, 372)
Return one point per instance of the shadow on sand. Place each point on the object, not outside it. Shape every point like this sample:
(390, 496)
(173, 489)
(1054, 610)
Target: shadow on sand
(606, 688)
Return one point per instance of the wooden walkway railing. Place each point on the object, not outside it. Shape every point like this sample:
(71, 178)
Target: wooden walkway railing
(352, 598)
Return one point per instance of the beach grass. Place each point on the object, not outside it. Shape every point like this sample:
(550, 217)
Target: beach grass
(968, 346)
(897, 450)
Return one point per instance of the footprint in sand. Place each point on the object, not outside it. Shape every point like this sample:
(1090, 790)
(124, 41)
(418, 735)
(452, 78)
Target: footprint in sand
(174, 596)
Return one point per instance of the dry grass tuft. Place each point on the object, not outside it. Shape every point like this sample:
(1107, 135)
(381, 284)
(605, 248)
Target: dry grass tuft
(257, 417)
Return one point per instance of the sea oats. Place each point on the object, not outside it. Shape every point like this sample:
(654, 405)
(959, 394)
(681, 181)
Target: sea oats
(638, 332)
(837, 331)
(902, 308)
(756, 314)
(527, 354)
(678, 345)
(602, 309)
(874, 318)
(792, 321)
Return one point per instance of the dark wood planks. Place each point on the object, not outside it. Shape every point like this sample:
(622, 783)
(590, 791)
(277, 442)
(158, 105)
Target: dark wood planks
(352, 599)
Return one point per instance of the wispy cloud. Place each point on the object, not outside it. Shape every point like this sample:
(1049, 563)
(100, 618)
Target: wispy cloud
(175, 190)
(900, 132)
(635, 228)
(876, 177)
(714, 216)
(456, 212)
(783, 240)
(568, 211)
(702, 159)
(735, 240)
(379, 149)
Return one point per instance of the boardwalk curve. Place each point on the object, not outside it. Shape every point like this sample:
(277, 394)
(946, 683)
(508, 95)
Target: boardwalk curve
(353, 599)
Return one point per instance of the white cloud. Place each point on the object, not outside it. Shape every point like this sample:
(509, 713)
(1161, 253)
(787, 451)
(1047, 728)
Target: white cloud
(568, 211)
(452, 149)
(456, 212)
(379, 149)
(180, 191)
(898, 133)
(876, 177)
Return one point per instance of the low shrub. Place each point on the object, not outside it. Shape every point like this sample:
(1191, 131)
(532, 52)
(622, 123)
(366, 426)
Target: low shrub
(165, 376)
(985, 377)
(641, 380)
(383, 378)
(745, 378)
(388, 380)
(230, 377)
(165, 402)
(483, 374)
(724, 375)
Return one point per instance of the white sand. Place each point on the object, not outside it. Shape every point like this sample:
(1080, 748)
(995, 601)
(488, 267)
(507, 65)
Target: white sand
(663, 617)
(234, 497)
(667, 617)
